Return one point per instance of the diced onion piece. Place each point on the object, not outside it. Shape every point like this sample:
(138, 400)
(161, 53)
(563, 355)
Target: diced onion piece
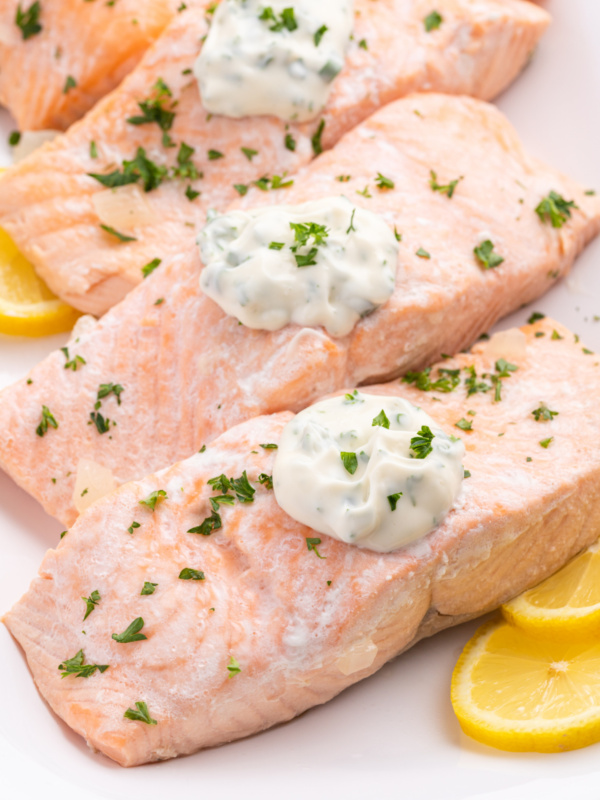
(511, 345)
(360, 656)
(30, 141)
(93, 481)
(124, 208)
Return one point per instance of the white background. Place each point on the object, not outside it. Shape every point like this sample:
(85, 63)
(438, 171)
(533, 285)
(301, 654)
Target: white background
(394, 735)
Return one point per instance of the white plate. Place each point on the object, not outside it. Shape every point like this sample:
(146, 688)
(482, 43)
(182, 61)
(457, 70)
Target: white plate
(394, 735)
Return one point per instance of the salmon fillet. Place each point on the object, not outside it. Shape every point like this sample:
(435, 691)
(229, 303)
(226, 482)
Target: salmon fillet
(190, 372)
(95, 44)
(272, 629)
(48, 203)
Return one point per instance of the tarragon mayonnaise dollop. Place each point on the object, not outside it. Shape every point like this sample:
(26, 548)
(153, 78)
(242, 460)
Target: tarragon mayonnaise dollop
(370, 470)
(273, 56)
(325, 263)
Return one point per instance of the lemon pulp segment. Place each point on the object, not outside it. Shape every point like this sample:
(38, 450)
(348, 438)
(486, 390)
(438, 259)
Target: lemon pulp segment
(27, 306)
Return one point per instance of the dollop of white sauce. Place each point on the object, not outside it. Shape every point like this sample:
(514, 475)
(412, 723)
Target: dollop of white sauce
(392, 497)
(261, 268)
(275, 57)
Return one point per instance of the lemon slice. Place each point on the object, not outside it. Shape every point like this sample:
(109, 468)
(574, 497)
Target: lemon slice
(521, 693)
(566, 604)
(27, 306)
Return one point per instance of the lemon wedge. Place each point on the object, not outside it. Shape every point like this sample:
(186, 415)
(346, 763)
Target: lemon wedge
(566, 604)
(27, 306)
(521, 693)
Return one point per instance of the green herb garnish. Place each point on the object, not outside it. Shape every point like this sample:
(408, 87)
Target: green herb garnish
(420, 444)
(350, 462)
(486, 256)
(188, 574)
(555, 209)
(432, 21)
(154, 499)
(48, 420)
(312, 544)
(131, 633)
(544, 414)
(28, 20)
(91, 602)
(149, 588)
(140, 714)
(75, 666)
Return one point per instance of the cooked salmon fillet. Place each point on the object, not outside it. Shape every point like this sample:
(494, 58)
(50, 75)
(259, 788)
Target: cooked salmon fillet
(49, 204)
(272, 629)
(189, 372)
(94, 43)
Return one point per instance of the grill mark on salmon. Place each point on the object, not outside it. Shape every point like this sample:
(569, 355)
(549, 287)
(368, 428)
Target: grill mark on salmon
(47, 202)
(266, 600)
(190, 372)
(96, 44)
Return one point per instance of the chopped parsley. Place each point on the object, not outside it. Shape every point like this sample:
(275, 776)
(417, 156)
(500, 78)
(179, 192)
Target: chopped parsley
(14, 138)
(276, 182)
(545, 443)
(290, 142)
(191, 194)
(420, 444)
(266, 480)
(75, 666)
(383, 182)
(433, 21)
(343, 178)
(241, 188)
(210, 524)
(315, 141)
(28, 20)
(233, 667)
(544, 414)
(286, 19)
(486, 256)
(106, 389)
(473, 385)
(93, 150)
(381, 420)
(276, 246)
(131, 633)
(363, 44)
(91, 602)
(154, 498)
(350, 462)
(269, 446)
(249, 153)
(122, 237)
(422, 253)
(102, 424)
(72, 363)
(393, 500)
(535, 317)
(151, 266)
(365, 192)
(448, 381)
(447, 189)
(556, 335)
(312, 544)
(464, 424)
(148, 588)
(242, 488)
(48, 420)
(153, 110)
(133, 527)
(185, 168)
(555, 209)
(139, 168)
(215, 155)
(188, 574)
(140, 713)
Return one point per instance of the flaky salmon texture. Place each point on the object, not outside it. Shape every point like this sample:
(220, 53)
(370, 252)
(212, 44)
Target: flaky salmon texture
(188, 372)
(64, 55)
(271, 629)
(53, 209)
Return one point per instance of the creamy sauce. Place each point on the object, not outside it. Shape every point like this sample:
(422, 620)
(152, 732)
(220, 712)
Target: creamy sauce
(265, 267)
(275, 57)
(342, 472)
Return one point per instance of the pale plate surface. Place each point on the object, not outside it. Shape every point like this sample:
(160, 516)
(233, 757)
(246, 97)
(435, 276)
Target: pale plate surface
(394, 735)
